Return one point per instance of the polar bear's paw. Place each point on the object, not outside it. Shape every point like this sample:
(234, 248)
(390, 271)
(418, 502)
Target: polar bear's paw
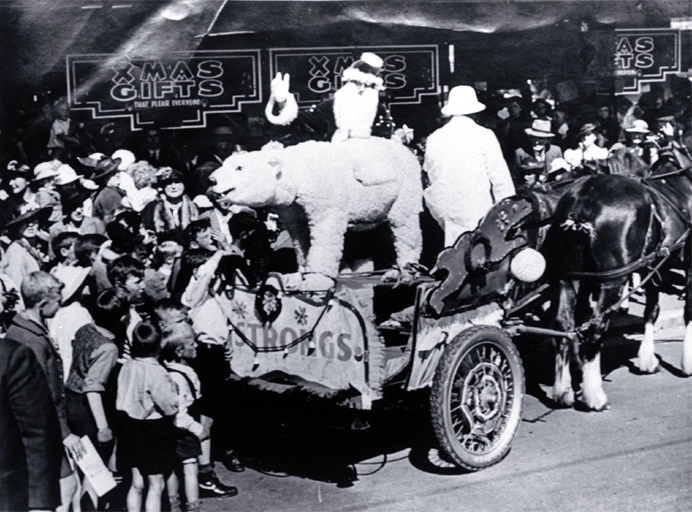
(314, 282)
(398, 276)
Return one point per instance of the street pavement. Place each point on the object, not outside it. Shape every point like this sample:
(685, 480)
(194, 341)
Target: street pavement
(635, 456)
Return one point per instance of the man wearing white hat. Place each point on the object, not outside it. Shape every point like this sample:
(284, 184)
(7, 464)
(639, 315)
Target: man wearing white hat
(532, 161)
(465, 167)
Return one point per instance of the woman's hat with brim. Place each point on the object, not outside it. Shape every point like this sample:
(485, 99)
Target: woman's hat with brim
(540, 128)
(587, 129)
(73, 278)
(462, 101)
(91, 160)
(105, 169)
(72, 196)
(40, 214)
(17, 170)
(638, 126)
(166, 176)
(123, 238)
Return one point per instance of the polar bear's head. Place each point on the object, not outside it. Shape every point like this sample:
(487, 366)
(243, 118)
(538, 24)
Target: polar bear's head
(250, 179)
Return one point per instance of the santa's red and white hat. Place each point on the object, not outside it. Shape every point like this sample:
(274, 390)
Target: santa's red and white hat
(365, 70)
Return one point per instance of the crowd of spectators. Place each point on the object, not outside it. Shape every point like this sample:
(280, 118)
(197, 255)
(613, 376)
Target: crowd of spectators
(110, 257)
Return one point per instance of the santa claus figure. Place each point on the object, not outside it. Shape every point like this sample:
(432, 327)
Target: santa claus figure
(350, 113)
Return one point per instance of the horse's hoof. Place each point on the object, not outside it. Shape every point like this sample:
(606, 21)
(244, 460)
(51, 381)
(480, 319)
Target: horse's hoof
(649, 369)
(599, 404)
(564, 400)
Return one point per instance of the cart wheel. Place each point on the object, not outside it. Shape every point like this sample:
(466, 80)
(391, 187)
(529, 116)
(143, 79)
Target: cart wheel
(476, 397)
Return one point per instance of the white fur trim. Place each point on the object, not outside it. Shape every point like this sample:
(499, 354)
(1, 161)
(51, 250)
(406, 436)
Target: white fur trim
(288, 113)
(648, 363)
(352, 74)
(593, 394)
(686, 363)
(372, 60)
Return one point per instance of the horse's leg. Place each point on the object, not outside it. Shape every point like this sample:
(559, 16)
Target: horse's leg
(592, 394)
(686, 363)
(648, 362)
(563, 394)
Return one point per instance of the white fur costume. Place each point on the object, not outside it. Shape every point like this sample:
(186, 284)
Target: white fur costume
(320, 190)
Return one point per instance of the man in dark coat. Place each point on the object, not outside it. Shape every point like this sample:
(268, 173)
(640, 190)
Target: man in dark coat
(30, 441)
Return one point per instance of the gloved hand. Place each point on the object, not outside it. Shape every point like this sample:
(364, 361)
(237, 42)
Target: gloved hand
(280, 87)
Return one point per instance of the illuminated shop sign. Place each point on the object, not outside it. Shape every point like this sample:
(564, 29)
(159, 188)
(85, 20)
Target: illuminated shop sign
(171, 89)
(409, 72)
(645, 56)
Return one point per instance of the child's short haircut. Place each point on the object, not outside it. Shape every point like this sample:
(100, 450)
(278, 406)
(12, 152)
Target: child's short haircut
(193, 258)
(174, 336)
(194, 228)
(63, 241)
(166, 249)
(163, 308)
(38, 286)
(146, 340)
(109, 308)
(123, 267)
(86, 246)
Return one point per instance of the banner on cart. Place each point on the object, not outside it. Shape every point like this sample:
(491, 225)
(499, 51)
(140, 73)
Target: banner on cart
(171, 89)
(409, 72)
(320, 341)
(646, 55)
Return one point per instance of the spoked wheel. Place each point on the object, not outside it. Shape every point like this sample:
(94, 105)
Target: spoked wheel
(476, 397)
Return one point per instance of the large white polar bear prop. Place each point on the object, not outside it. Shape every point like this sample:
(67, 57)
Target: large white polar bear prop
(322, 189)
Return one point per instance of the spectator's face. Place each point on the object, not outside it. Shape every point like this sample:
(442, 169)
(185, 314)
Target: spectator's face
(134, 286)
(18, 185)
(538, 142)
(604, 112)
(29, 228)
(666, 128)
(588, 140)
(174, 190)
(152, 139)
(77, 215)
(51, 303)
(205, 240)
(114, 181)
(189, 349)
(514, 109)
(62, 112)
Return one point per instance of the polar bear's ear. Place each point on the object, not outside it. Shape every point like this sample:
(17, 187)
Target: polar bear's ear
(276, 165)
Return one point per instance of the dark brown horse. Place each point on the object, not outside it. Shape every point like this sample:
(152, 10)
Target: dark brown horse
(606, 227)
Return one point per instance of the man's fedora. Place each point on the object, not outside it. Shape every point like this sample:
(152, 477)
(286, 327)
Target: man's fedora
(105, 169)
(462, 101)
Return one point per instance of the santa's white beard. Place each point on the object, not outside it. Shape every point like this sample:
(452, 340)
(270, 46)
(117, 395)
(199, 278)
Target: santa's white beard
(354, 113)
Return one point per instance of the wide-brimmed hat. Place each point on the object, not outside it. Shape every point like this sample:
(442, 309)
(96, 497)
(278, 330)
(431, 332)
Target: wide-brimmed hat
(462, 101)
(72, 196)
(123, 238)
(91, 160)
(44, 174)
(40, 214)
(638, 126)
(46, 168)
(540, 128)
(127, 158)
(167, 175)
(17, 170)
(72, 277)
(105, 169)
(587, 128)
